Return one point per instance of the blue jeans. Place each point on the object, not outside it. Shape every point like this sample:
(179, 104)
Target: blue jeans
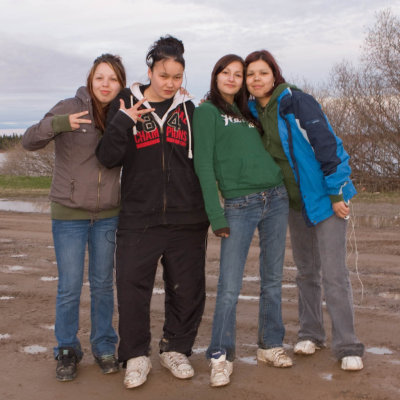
(70, 239)
(267, 211)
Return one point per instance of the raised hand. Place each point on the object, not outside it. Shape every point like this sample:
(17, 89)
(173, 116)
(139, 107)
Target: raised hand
(75, 120)
(134, 111)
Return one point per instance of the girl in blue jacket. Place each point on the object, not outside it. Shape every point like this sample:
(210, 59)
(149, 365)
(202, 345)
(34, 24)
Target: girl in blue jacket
(317, 177)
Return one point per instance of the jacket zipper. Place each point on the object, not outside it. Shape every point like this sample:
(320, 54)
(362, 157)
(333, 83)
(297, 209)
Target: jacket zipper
(163, 169)
(98, 192)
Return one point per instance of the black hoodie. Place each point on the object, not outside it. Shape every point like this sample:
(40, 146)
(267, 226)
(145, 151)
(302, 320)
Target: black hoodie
(159, 185)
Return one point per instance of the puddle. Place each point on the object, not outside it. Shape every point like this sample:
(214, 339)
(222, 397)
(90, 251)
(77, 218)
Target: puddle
(24, 206)
(7, 297)
(326, 377)
(49, 278)
(4, 336)
(248, 360)
(386, 295)
(34, 349)
(379, 350)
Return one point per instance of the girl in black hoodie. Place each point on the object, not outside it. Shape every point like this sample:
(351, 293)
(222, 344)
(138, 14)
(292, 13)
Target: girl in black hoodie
(162, 215)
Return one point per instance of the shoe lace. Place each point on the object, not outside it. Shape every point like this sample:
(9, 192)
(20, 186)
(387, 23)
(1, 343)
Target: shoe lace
(279, 354)
(177, 359)
(219, 367)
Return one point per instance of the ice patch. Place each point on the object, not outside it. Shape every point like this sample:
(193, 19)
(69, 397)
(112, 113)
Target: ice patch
(18, 255)
(379, 350)
(326, 376)
(251, 278)
(393, 296)
(5, 241)
(248, 298)
(50, 247)
(34, 349)
(7, 297)
(199, 350)
(49, 278)
(248, 360)
(4, 336)
(14, 268)
(158, 291)
(48, 327)
(289, 286)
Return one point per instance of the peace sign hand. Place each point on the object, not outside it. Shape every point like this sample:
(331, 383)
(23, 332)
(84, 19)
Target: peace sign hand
(75, 120)
(134, 111)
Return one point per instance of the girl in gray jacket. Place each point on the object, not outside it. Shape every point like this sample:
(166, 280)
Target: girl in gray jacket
(84, 210)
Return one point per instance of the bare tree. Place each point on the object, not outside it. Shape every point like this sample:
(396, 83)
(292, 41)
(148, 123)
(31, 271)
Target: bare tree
(363, 105)
(29, 163)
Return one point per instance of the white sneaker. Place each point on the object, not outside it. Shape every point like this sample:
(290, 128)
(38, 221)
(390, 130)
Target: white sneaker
(221, 370)
(352, 363)
(177, 363)
(275, 357)
(136, 371)
(306, 347)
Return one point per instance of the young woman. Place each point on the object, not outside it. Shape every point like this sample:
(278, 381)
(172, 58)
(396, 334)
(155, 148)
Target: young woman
(162, 214)
(229, 151)
(84, 210)
(317, 177)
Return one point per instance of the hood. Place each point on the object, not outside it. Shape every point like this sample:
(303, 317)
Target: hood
(178, 99)
(83, 94)
(277, 92)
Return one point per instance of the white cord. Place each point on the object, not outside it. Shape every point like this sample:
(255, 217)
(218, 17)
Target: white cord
(351, 235)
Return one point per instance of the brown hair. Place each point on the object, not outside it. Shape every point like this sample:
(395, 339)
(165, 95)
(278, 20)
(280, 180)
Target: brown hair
(240, 98)
(266, 56)
(114, 62)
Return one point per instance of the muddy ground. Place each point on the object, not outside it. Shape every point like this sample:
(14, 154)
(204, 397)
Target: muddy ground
(27, 301)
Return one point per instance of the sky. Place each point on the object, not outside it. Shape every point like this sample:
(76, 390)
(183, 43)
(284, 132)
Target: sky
(48, 46)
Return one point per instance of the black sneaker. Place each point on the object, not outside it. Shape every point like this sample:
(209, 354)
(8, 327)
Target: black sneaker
(66, 364)
(108, 363)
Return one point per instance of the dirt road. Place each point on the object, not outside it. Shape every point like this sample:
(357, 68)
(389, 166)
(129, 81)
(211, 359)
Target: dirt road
(28, 280)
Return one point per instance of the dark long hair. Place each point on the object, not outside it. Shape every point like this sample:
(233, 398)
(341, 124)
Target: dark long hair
(164, 48)
(270, 60)
(240, 97)
(114, 62)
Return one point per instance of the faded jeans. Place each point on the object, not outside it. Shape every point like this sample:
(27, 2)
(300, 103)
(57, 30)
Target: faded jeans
(319, 253)
(267, 211)
(70, 240)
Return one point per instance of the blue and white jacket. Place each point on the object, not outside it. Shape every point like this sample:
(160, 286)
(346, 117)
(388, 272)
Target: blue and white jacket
(317, 157)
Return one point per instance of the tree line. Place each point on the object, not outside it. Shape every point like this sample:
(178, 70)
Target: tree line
(362, 103)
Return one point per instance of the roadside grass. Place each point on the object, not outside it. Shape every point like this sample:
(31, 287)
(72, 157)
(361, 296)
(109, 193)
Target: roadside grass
(12, 186)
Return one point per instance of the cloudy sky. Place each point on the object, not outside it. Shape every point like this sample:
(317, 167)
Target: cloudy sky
(48, 46)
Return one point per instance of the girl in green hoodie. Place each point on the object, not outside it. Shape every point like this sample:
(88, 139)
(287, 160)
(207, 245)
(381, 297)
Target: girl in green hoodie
(229, 153)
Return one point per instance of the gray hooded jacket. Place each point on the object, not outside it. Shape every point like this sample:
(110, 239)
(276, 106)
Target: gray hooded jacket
(79, 180)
